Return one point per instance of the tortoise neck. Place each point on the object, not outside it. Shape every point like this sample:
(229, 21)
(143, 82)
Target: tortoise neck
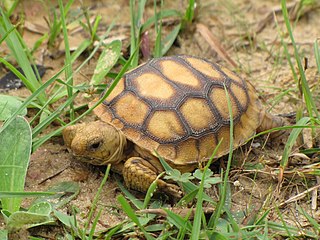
(120, 152)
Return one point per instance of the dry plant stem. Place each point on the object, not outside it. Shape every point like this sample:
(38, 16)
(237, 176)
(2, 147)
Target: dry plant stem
(298, 196)
(55, 174)
(182, 212)
(214, 43)
(314, 198)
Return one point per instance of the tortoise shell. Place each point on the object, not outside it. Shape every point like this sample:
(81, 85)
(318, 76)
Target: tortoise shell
(177, 106)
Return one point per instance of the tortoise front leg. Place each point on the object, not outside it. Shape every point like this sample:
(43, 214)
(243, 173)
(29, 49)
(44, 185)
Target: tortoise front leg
(138, 174)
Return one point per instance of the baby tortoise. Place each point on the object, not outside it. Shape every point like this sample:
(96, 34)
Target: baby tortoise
(176, 106)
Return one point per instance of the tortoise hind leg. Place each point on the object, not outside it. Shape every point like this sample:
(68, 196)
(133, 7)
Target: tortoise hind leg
(138, 174)
(270, 121)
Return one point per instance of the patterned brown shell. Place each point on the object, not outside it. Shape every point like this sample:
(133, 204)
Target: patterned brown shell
(177, 106)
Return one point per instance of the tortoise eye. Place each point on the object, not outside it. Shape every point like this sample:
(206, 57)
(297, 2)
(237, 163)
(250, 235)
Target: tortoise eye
(95, 145)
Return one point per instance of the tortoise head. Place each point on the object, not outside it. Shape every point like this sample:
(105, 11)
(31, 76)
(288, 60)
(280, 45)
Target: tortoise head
(96, 142)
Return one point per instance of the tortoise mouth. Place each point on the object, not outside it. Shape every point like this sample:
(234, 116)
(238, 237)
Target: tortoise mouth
(90, 160)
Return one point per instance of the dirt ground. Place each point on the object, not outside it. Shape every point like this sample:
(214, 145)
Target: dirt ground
(247, 33)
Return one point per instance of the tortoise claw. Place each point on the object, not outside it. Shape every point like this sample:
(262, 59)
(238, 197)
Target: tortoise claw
(172, 190)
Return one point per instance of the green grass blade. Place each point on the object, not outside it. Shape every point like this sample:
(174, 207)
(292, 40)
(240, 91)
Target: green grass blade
(180, 222)
(52, 117)
(96, 197)
(141, 7)
(6, 34)
(158, 30)
(311, 107)
(152, 188)
(169, 40)
(291, 141)
(94, 224)
(200, 197)
(136, 202)
(27, 83)
(19, 52)
(190, 11)
(15, 149)
(10, 6)
(81, 48)
(3, 234)
(68, 71)
(17, 194)
(95, 28)
(311, 220)
(163, 14)
(214, 219)
(134, 35)
(136, 17)
(317, 54)
(131, 214)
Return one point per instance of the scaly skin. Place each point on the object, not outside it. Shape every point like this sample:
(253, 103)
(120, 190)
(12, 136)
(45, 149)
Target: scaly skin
(139, 174)
(270, 121)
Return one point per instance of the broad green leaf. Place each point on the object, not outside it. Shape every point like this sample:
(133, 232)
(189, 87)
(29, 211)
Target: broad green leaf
(38, 214)
(42, 208)
(223, 226)
(67, 220)
(176, 175)
(208, 178)
(21, 219)
(8, 105)
(107, 60)
(188, 186)
(3, 234)
(15, 149)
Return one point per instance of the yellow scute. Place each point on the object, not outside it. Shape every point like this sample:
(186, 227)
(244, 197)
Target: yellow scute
(231, 75)
(187, 152)
(205, 68)
(240, 94)
(131, 109)
(224, 137)
(154, 86)
(178, 73)
(197, 114)
(219, 99)
(166, 125)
